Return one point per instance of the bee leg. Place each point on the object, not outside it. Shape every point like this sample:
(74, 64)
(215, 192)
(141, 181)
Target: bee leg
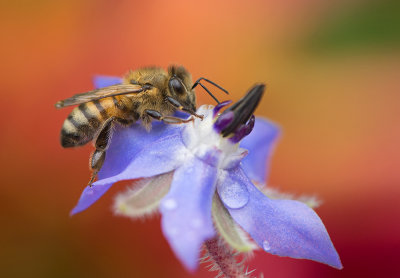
(180, 107)
(96, 161)
(98, 156)
(124, 122)
(166, 119)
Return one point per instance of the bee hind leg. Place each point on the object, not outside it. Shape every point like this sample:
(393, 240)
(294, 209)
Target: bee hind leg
(101, 144)
(166, 119)
(96, 162)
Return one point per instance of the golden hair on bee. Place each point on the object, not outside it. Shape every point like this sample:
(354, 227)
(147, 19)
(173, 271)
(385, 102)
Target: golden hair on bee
(145, 94)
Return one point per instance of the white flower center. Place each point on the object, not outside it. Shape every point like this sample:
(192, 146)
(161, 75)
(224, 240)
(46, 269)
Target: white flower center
(203, 141)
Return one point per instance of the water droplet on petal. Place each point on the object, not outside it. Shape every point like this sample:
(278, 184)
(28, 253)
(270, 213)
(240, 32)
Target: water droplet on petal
(266, 246)
(233, 194)
(170, 204)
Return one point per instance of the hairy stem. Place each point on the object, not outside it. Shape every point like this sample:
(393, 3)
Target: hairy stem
(223, 259)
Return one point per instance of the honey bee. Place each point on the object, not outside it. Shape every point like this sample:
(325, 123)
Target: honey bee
(145, 94)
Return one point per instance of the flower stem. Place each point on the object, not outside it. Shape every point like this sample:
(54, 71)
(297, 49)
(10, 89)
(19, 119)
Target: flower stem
(223, 259)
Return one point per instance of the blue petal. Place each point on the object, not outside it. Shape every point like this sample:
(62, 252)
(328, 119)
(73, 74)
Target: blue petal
(101, 81)
(284, 227)
(260, 143)
(161, 156)
(186, 210)
(126, 143)
(232, 190)
(89, 196)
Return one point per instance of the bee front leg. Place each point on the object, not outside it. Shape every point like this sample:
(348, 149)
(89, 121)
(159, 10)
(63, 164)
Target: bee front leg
(180, 107)
(166, 119)
(101, 144)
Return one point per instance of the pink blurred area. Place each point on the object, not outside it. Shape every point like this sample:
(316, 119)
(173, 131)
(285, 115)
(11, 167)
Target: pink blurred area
(339, 115)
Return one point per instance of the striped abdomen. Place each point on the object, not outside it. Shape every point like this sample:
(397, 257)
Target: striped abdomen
(86, 120)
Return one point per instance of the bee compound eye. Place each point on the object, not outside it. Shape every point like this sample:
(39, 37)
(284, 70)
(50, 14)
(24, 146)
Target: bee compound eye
(176, 86)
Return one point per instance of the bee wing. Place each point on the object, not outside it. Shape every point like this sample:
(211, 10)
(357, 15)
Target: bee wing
(109, 91)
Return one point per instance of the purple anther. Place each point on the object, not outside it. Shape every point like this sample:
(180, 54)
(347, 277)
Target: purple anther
(250, 125)
(239, 134)
(219, 106)
(224, 120)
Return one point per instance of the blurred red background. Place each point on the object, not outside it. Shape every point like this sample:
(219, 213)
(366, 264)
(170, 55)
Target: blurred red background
(332, 70)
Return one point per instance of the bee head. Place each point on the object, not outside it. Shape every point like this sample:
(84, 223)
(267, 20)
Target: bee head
(180, 84)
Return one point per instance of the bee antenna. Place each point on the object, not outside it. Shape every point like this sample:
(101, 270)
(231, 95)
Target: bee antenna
(204, 87)
(209, 81)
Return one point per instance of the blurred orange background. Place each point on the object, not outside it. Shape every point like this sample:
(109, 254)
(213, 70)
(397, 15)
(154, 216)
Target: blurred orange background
(333, 75)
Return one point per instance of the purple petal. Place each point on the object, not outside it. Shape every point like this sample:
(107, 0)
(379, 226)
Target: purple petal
(260, 143)
(126, 143)
(186, 210)
(284, 227)
(159, 157)
(101, 81)
(232, 190)
(89, 196)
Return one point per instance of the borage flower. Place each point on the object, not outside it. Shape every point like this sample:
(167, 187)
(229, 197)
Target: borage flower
(200, 179)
